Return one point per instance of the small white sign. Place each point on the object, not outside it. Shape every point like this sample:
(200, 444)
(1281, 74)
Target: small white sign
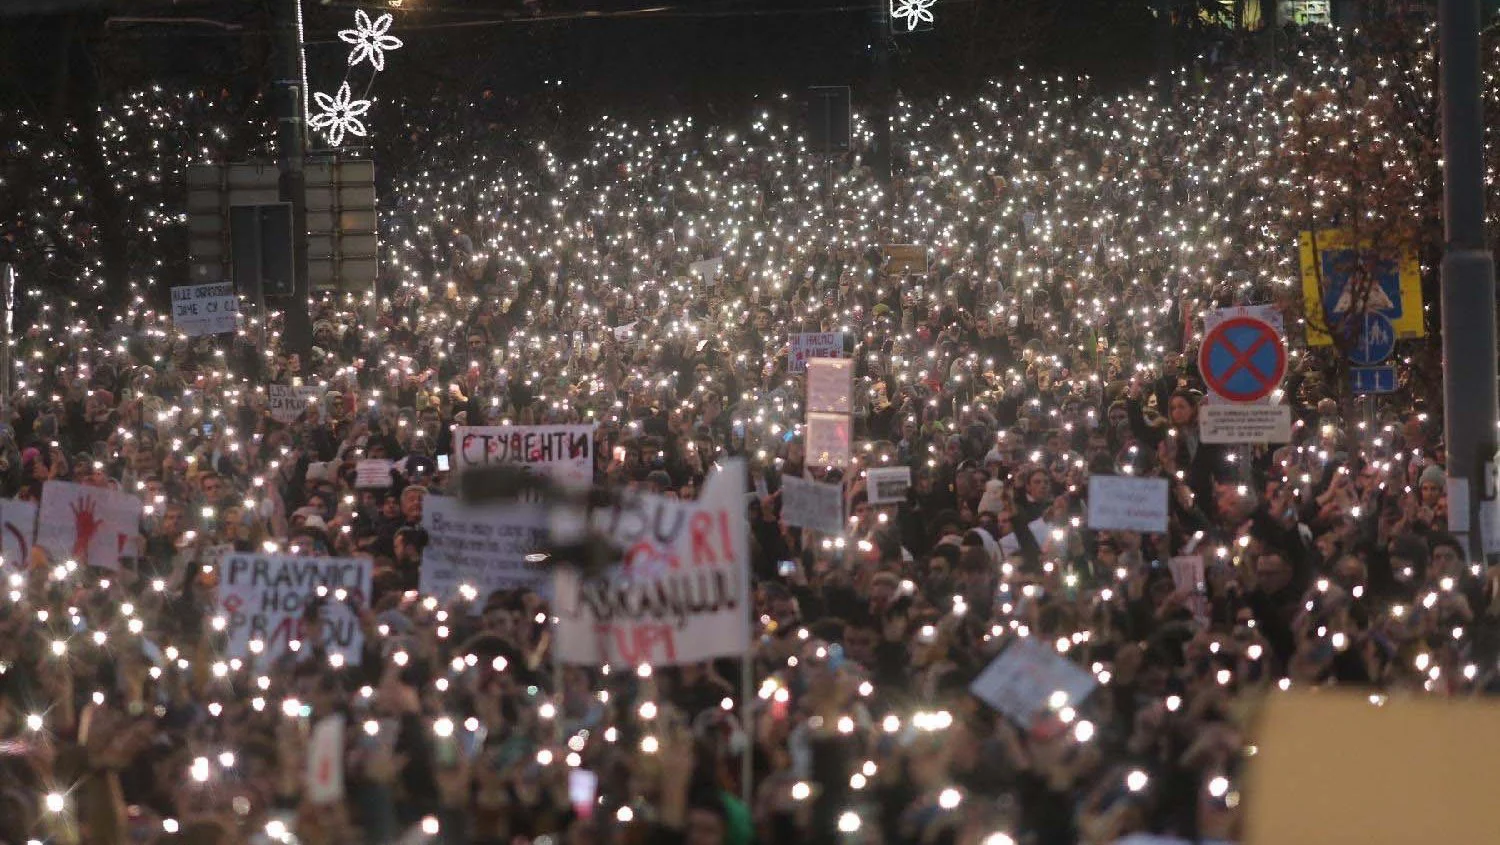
(1023, 681)
(1123, 503)
(1244, 423)
(204, 309)
(372, 474)
(287, 403)
(809, 504)
(888, 484)
(811, 345)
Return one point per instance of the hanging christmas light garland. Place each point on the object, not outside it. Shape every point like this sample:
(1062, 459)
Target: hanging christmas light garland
(339, 113)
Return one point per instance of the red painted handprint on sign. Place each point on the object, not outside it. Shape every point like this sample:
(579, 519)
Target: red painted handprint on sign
(85, 526)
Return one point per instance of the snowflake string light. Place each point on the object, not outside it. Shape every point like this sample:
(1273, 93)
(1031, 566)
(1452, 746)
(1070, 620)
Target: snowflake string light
(916, 12)
(339, 114)
(371, 39)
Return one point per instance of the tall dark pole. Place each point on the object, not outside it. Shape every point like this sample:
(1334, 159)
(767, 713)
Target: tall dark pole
(880, 92)
(1468, 280)
(1164, 91)
(291, 150)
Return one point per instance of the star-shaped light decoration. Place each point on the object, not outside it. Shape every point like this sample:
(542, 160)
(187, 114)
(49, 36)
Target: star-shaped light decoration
(339, 114)
(916, 12)
(370, 39)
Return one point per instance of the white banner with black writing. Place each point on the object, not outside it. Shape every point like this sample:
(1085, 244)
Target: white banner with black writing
(204, 309)
(481, 546)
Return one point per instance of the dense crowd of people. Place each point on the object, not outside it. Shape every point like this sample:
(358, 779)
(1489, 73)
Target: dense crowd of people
(1069, 243)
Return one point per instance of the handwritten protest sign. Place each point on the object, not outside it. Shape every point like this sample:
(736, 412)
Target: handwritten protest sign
(814, 345)
(1123, 503)
(1022, 680)
(372, 474)
(830, 385)
(826, 440)
(17, 530)
(204, 309)
(680, 593)
(287, 403)
(266, 598)
(808, 504)
(887, 484)
(91, 525)
(563, 453)
(484, 547)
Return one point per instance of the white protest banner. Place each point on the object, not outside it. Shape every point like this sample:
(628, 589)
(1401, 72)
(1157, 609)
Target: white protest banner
(1022, 681)
(682, 592)
(706, 270)
(809, 504)
(830, 385)
(287, 403)
(325, 761)
(17, 530)
(373, 474)
(1124, 503)
(826, 440)
(91, 525)
(624, 333)
(204, 309)
(887, 484)
(814, 345)
(266, 598)
(563, 453)
(482, 546)
(1244, 423)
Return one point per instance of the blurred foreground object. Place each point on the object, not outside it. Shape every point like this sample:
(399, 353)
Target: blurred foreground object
(1335, 768)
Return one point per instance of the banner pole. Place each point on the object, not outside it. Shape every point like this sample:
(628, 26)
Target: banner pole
(747, 724)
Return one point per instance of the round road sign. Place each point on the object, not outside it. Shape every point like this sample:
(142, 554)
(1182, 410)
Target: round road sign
(1242, 359)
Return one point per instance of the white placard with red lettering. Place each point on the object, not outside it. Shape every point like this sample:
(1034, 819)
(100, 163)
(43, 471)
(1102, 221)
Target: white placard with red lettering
(681, 593)
(90, 525)
(563, 453)
(1123, 503)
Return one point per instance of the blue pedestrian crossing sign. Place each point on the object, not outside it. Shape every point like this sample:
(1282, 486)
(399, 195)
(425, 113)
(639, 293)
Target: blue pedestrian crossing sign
(1376, 341)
